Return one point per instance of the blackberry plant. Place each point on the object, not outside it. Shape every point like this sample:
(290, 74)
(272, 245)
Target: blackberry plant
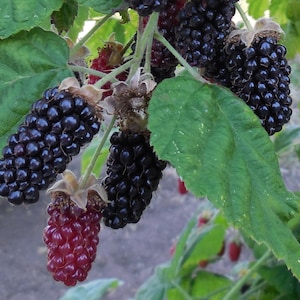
(163, 110)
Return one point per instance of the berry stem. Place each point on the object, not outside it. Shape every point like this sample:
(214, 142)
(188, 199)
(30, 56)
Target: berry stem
(111, 76)
(87, 70)
(243, 15)
(181, 60)
(92, 163)
(142, 42)
(235, 289)
(89, 34)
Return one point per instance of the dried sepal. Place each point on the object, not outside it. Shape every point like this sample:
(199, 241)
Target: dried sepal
(88, 92)
(71, 188)
(262, 27)
(129, 101)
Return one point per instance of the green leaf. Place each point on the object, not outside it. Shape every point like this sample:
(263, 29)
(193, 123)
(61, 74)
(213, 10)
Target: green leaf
(257, 9)
(16, 15)
(292, 34)
(30, 62)
(221, 151)
(286, 139)
(205, 243)
(103, 6)
(88, 153)
(278, 10)
(83, 13)
(282, 280)
(215, 286)
(155, 287)
(64, 18)
(93, 290)
(293, 10)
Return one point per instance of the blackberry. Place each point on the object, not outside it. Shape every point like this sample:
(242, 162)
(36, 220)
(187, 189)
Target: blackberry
(259, 73)
(147, 7)
(159, 74)
(71, 237)
(133, 173)
(109, 57)
(44, 144)
(202, 29)
(161, 57)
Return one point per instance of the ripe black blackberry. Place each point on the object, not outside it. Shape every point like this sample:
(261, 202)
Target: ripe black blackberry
(203, 28)
(133, 173)
(159, 74)
(58, 125)
(258, 73)
(147, 7)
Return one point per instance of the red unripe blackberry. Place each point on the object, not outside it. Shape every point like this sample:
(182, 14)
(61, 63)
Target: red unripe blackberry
(147, 7)
(109, 57)
(161, 57)
(72, 238)
(133, 173)
(58, 125)
(202, 29)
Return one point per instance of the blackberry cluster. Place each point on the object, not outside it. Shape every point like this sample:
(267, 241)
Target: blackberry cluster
(147, 7)
(259, 74)
(202, 29)
(161, 57)
(72, 238)
(133, 173)
(58, 125)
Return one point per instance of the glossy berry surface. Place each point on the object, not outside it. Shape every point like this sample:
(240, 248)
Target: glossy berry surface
(133, 174)
(147, 7)
(258, 74)
(202, 29)
(108, 58)
(44, 144)
(71, 237)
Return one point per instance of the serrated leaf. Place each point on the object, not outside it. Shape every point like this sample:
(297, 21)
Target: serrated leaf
(102, 6)
(64, 18)
(18, 15)
(93, 290)
(219, 148)
(78, 25)
(257, 9)
(30, 62)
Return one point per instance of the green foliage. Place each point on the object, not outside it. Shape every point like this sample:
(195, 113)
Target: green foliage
(92, 290)
(102, 6)
(18, 15)
(64, 18)
(242, 177)
(30, 62)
